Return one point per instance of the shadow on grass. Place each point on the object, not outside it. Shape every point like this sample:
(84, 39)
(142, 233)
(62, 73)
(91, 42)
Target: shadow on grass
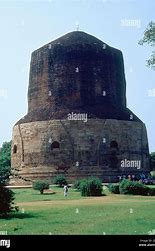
(49, 193)
(45, 193)
(17, 215)
(89, 196)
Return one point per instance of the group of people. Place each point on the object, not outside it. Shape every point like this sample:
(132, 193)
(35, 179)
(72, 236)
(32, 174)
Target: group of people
(134, 177)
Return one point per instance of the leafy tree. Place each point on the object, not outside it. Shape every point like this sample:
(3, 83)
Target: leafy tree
(5, 154)
(152, 160)
(149, 38)
(6, 195)
(6, 200)
(5, 160)
(40, 185)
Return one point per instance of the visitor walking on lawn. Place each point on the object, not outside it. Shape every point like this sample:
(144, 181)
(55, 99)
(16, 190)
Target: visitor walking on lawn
(65, 190)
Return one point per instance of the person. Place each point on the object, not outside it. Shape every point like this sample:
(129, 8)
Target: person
(65, 190)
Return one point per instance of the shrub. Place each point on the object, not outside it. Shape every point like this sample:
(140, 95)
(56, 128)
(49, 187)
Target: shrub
(133, 187)
(153, 173)
(114, 188)
(40, 185)
(77, 184)
(91, 187)
(151, 191)
(60, 180)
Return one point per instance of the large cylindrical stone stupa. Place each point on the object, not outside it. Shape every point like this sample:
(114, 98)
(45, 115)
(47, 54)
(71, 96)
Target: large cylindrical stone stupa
(77, 122)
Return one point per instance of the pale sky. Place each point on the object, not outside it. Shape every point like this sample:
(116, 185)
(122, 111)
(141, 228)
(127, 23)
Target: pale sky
(28, 25)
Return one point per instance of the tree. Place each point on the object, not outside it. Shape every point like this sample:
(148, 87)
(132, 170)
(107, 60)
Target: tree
(6, 195)
(149, 38)
(5, 160)
(6, 200)
(152, 160)
(40, 185)
(5, 163)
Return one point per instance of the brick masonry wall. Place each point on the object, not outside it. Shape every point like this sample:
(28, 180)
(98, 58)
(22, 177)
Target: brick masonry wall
(85, 148)
(71, 74)
(81, 74)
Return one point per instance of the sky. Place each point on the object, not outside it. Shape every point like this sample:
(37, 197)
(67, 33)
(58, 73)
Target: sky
(27, 25)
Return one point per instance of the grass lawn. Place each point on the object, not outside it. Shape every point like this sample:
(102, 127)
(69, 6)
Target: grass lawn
(54, 214)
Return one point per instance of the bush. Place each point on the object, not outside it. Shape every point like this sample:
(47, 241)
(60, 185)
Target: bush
(60, 180)
(40, 185)
(91, 187)
(6, 200)
(114, 188)
(77, 184)
(133, 187)
(153, 173)
(151, 191)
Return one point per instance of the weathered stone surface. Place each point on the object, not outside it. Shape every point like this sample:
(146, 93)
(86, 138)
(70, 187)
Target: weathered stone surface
(78, 73)
(72, 74)
(79, 142)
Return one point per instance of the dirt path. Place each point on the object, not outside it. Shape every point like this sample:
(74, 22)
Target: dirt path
(82, 202)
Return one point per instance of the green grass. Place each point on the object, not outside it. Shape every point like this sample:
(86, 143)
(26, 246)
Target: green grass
(54, 214)
(24, 195)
